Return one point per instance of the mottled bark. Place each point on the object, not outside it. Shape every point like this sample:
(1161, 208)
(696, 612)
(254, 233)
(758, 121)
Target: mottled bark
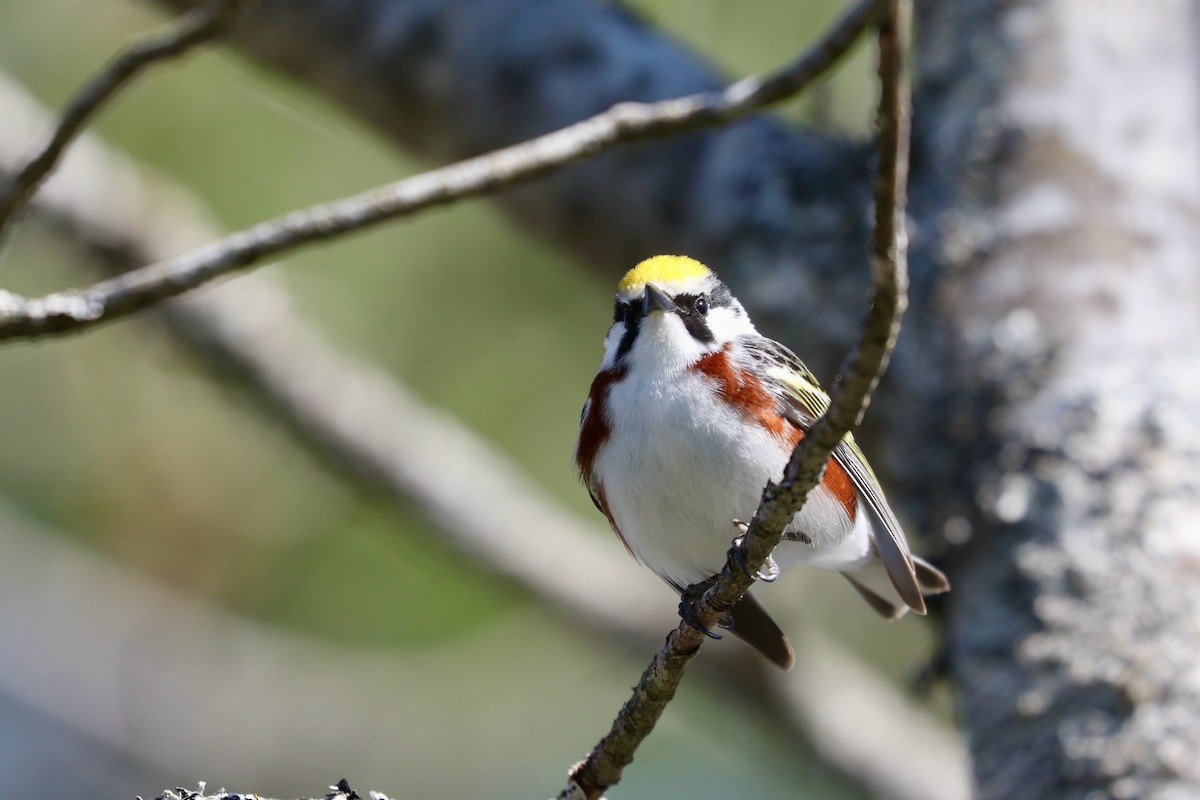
(1065, 137)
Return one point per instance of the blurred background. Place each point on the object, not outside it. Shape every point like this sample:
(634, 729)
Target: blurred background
(153, 517)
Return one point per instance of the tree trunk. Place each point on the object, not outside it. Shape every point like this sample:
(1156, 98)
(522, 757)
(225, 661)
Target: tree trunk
(1068, 285)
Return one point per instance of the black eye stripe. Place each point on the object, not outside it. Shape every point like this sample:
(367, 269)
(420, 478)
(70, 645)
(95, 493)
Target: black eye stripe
(698, 328)
(689, 307)
(693, 318)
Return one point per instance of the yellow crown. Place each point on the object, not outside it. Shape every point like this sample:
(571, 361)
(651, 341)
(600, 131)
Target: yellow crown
(662, 270)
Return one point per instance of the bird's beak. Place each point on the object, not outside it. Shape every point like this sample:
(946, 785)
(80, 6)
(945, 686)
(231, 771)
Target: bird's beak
(656, 300)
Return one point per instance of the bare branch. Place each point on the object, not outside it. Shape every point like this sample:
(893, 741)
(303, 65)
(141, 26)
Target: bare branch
(191, 29)
(756, 197)
(77, 309)
(604, 766)
(348, 411)
(248, 332)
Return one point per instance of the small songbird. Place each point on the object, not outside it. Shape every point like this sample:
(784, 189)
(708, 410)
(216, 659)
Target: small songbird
(692, 412)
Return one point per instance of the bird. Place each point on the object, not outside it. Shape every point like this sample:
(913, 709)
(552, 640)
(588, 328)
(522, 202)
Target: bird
(690, 415)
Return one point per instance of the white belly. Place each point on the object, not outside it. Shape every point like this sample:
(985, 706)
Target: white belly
(674, 486)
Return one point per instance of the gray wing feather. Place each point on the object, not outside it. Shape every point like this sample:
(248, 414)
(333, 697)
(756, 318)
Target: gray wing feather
(802, 401)
(889, 537)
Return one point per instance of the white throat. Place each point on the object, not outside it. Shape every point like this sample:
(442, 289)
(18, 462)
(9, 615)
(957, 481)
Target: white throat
(664, 347)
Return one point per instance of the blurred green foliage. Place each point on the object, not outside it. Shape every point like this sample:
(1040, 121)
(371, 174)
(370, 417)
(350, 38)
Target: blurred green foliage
(119, 440)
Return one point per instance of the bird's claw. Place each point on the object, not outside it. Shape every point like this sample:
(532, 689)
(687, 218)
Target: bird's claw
(688, 613)
(767, 573)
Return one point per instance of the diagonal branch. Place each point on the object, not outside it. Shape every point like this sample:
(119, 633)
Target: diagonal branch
(248, 332)
(193, 28)
(77, 309)
(604, 766)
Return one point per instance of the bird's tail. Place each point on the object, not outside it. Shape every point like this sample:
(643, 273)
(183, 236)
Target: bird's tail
(754, 626)
(875, 585)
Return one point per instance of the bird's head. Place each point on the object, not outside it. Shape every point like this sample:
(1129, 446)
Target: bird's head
(671, 311)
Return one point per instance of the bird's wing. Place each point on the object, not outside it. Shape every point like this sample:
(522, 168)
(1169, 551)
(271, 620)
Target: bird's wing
(799, 392)
(889, 537)
(802, 400)
(585, 475)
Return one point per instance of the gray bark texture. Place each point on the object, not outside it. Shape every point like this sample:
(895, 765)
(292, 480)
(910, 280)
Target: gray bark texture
(1067, 287)
(1038, 420)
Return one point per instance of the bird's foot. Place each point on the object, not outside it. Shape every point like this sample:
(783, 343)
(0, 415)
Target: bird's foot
(688, 601)
(767, 573)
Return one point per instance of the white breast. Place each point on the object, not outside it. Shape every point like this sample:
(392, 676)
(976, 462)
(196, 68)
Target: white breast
(680, 466)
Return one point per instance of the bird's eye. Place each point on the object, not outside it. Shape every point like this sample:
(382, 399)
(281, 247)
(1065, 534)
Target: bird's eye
(701, 306)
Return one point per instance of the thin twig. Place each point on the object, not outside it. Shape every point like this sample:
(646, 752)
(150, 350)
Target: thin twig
(194, 28)
(247, 332)
(76, 309)
(780, 503)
